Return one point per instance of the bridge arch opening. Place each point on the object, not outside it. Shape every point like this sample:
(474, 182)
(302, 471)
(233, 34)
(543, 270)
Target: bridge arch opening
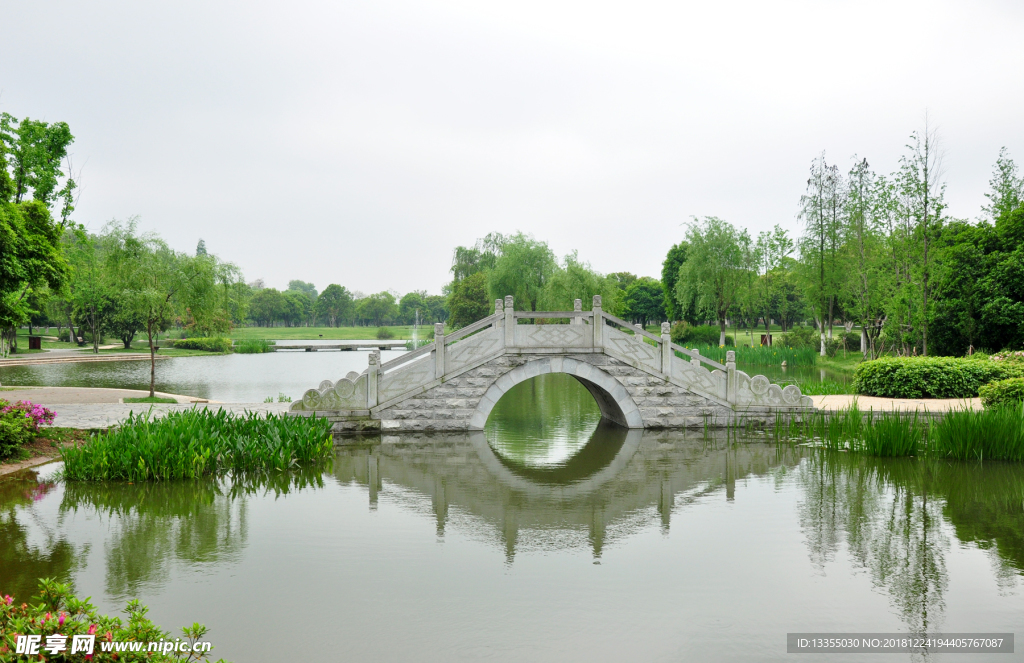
(613, 401)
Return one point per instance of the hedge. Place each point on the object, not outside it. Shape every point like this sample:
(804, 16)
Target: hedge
(930, 377)
(1002, 392)
(207, 344)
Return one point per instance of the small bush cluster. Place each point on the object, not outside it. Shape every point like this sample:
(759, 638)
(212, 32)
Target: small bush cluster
(206, 344)
(687, 335)
(1002, 392)
(930, 377)
(1011, 356)
(254, 346)
(56, 612)
(802, 337)
(384, 333)
(189, 444)
(19, 425)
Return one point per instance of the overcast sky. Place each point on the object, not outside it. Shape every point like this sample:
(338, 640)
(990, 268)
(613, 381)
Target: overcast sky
(360, 142)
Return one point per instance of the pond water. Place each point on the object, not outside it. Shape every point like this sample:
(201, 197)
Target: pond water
(241, 378)
(548, 537)
(233, 378)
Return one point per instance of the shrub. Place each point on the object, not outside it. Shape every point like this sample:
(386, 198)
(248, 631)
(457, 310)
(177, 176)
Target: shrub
(687, 335)
(205, 344)
(19, 424)
(384, 333)
(802, 337)
(56, 611)
(1002, 392)
(1009, 356)
(188, 444)
(929, 377)
(253, 346)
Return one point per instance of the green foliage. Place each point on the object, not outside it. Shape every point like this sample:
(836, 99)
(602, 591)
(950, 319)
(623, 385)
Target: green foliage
(468, 301)
(194, 443)
(759, 355)
(574, 280)
(690, 336)
(669, 276)
(1002, 392)
(824, 387)
(522, 270)
(929, 377)
(801, 337)
(990, 434)
(377, 309)
(715, 270)
(383, 333)
(643, 301)
(251, 346)
(55, 610)
(151, 399)
(205, 344)
(334, 305)
(15, 431)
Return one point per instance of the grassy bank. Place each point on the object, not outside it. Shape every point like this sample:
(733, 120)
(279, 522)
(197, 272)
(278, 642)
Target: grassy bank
(195, 443)
(990, 434)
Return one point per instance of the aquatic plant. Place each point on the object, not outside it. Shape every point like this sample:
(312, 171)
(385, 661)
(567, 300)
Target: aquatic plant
(990, 434)
(194, 443)
(205, 344)
(824, 387)
(251, 346)
(760, 355)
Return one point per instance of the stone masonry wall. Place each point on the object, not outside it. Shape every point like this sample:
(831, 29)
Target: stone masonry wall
(450, 406)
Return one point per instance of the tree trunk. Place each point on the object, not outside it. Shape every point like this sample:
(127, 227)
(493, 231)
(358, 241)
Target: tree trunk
(721, 335)
(152, 360)
(863, 340)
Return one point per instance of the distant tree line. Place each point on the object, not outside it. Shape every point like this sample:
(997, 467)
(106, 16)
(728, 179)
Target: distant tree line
(878, 252)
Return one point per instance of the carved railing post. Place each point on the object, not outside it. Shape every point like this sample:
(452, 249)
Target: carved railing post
(438, 350)
(666, 349)
(598, 323)
(510, 323)
(372, 375)
(577, 305)
(730, 372)
(694, 358)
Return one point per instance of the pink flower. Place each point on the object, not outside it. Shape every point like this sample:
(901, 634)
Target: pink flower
(92, 629)
(60, 621)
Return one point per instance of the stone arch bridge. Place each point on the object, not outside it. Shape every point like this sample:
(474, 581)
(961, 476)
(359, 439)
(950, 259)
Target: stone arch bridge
(638, 379)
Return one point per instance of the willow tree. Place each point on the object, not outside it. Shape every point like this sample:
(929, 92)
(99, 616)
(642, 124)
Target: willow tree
(713, 275)
(157, 282)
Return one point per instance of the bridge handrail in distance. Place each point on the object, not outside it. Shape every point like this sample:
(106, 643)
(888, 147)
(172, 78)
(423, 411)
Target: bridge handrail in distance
(479, 325)
(636, 330)
(407, 357)
(697, 355)
(519, 315)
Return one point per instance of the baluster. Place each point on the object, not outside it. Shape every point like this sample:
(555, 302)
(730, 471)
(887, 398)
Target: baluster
(438, 350)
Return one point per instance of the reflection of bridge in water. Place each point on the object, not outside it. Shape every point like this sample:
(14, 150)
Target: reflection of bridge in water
(613, 486)
(638, 379)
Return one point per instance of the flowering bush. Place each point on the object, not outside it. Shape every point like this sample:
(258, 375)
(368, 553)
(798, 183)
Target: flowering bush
(60, 622)
(19, 424)
(1013, 356)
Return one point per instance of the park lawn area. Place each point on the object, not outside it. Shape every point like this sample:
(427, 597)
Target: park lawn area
(164, 351)
(47, 344)
(151, 399)
(401, 332)
(841, 364)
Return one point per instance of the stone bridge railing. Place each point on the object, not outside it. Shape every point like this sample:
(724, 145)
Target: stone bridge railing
(384, 384)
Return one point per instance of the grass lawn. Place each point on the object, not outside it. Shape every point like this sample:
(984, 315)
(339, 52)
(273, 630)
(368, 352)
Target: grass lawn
(151, 399)
(162, 352)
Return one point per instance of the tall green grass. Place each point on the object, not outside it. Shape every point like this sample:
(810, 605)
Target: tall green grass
(761, 355)
(195, 443)
(251, 346)
(990, 434)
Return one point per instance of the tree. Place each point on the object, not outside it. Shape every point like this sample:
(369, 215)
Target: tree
(201, 247)
(30, 259)
(89, 289)
(574, 280)
(644, 301)
(521, 270)
(298, 308)
(123, 321)
(669, 275)
(157, 281)
(468, 301)
(437, 305)
(301, 286)
(35, 152)
(820, 208)
(1007, 188)
(713, 274)
(267, 307)
(378, 308)
(410, 304)
(334, 305)
(771, 249)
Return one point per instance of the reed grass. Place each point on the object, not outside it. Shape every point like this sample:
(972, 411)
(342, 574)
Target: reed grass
(196, 443)
(251, 346)
(824, 387)
(990, 434)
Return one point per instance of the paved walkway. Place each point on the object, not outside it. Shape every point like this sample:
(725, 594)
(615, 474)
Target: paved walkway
(105, 415)
(924, 405)
(50, 396)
